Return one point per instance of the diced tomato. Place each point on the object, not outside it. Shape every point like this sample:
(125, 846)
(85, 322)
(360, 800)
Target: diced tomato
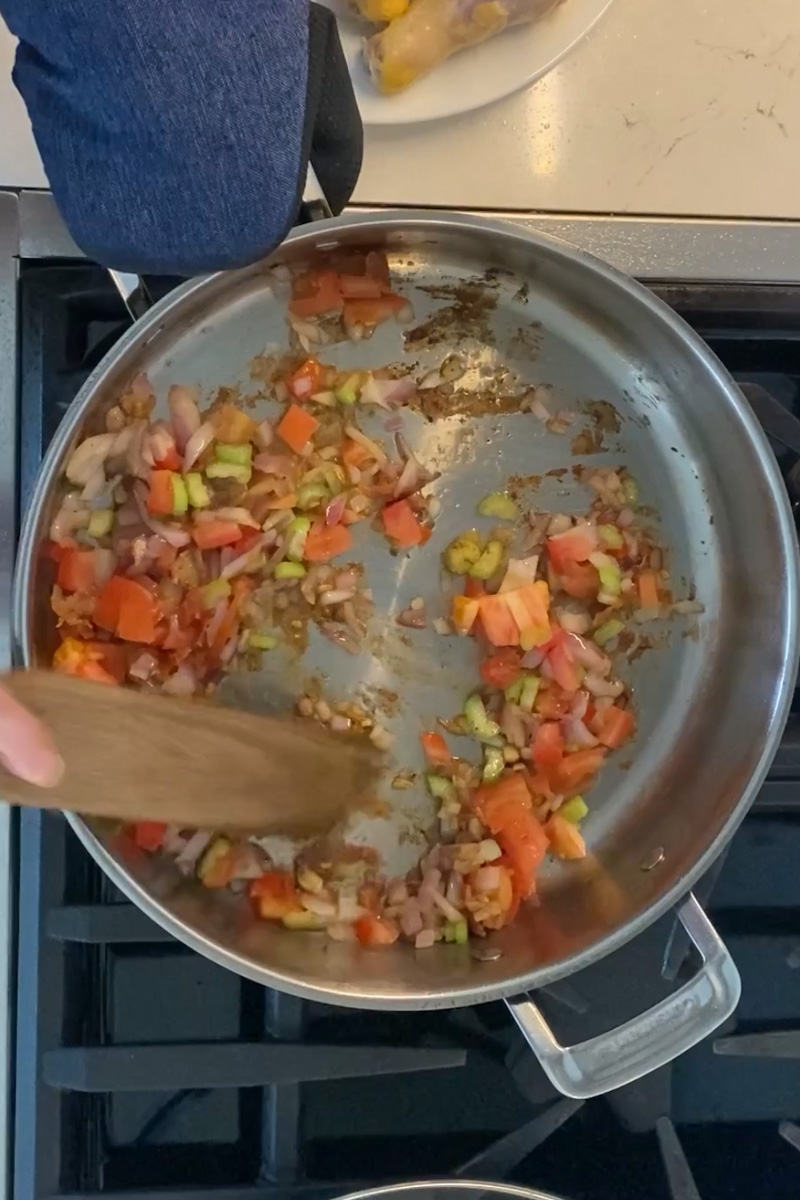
(359, 287)
(129, 609)
(401, 525)
(324, 542)
(548, 745)
(376, 931)
(464, 613)
(613, 726)
(551, 703)
(82, 661)
(473, 588)
(315, 293)
(574, 546)
(232, 425)
(497, 622)
(296, 427)
(372, 312)
(648, 590)
(436, 750)
(502, 669)
(112, 657)
(529, 608)
(580, 580)
(377, 267)
(565, 839)
(149, 835)
(273, 895)
(171, 461)
(160, 498)
(505, 807)
(211, 535)
(576, 770)
(564, 668)
(538, 785)
(507, 897)
(76, 571)
(306, 380)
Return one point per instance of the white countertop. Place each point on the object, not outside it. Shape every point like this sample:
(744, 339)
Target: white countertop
(671, 107)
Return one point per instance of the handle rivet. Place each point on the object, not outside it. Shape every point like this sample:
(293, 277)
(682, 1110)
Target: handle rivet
(653, 860)
(486, 953)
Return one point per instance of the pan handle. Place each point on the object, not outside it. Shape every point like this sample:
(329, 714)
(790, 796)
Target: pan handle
(647, 1042)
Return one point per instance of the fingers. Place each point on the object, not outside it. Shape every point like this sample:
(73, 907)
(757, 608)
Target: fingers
(26, 748)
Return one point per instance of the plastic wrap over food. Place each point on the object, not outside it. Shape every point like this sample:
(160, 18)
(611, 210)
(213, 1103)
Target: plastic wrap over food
(431, 30)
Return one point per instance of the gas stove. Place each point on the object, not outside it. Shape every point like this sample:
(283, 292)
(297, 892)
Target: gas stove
(140, 1068)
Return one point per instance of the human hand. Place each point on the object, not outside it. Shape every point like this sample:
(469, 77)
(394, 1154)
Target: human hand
(26, 748)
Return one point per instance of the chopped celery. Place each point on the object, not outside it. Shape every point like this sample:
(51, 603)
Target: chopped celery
(303, 921)
(180, 496)
(489, 561)
(456, 932)
(230, 452)
(498, 505)
(630, 490)
(347, 393)
(530, 690)
(289, 570)
(463, 552)
(213, 592)
(196, 490)
(611, 536)
(100, 523)
(225, 470)
(606, 632)
(442, 788)
(261, 641)
(478, 720)
(296, 534)
(311, 495)
(609, 572)
(574, 810)
(514, 691)
(493, 764)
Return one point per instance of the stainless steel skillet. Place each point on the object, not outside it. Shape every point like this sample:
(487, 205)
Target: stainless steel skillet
(712, 697)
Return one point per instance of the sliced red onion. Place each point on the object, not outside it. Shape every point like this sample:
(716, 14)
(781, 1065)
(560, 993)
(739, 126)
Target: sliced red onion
(302, 387)
(341, 636)
(181, 683)
(381, 738)
(573, 622)
(387, 393)
(513, 726)
(141, 387)
(602, 687)
(187, 859)
(229, 649)
(185, 414)
(241, 516)
(160, 443)
(449, 911)
(265, 435)
(576, 733)
(411, 918)
(95, 485)
(243, 561)
(405, 314)
(587, 654)
(393, 424)
(532, 659)
(486, 880)
(135, 453)
(340, 724)
(104, 563)
(335, 510)
(336, 596)
(455, 889)
(579, 705)
(425, 939)
(88, 456)
(143, 666)
(625, 518)
(176, 537)
(71, 516)
(198, 442)
(214, 625)
(274, 464)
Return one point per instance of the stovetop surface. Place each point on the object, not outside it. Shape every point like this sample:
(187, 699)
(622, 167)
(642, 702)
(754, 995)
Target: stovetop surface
(142, 1068)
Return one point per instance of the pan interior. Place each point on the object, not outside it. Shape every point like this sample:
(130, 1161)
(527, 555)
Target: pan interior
(710, 692)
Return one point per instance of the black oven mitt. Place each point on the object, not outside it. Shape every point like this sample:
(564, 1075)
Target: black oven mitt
(176, 136)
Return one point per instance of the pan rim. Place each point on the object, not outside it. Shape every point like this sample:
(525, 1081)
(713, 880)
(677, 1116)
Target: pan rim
(409, 1000)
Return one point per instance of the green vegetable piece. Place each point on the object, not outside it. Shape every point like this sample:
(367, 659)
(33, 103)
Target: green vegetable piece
(530, 690)
(311, 495)
(213, 592)
(303, 921)
(609, 572)
(101, 522)
(609, 630)
(513, 693)
(180, 496)
(456, 932)
(611, 536)
(230, 452)
(289, 570)
(225, 470)
(493, 764)
(498, 505)
(198, 493)
(479, 721)
(463, 552)
(348, 392)
(441, 788)
(489, 561)
(574, 810)
(261, 641)
(296, 534)
(630, 490)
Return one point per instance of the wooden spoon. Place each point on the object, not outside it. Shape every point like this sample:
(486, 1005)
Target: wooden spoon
(140, 756)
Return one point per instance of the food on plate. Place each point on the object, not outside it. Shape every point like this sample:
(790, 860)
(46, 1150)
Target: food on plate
(432, 30)
(380, 11)
(187, 547)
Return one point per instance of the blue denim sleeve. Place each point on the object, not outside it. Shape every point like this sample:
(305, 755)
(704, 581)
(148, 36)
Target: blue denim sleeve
(171, 130)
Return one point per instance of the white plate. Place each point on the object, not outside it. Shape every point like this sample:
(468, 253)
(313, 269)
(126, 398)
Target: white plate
(478, 76)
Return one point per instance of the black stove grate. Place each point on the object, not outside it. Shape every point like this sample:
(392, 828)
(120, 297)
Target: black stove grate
(143, 1069)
